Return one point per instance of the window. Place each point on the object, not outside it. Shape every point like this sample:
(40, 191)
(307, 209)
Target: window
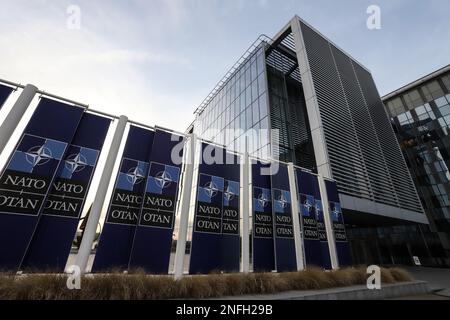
(432, 90)
(424, 113)
(248, 77)
(405, 119)
(248, 96)
(255, 112)
(254, 71)
(254, 87)
(440, 102)
(249, 118)
(446, 81)
(396, 106)
(413, 99)
(263, 105)
(242, 121)
(260, 61)
(261, 83)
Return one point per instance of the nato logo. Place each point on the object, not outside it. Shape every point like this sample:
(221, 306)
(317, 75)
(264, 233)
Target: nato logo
(231, 193)
(79, 164)
(132, 174)
(262, 200)
(209, 188)
(37, 155)
(282, 199)
(319, 211)
(335, 211)
(307, 205)
(163, 179)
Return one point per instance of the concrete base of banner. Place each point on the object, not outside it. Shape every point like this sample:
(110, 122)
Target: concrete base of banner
(388, 291)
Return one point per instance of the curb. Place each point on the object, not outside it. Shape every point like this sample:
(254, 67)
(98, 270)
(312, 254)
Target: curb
(346, 293)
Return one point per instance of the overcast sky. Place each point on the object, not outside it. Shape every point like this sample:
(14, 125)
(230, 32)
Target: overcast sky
(155, 60)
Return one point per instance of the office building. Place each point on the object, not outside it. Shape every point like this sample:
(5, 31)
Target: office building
(330, 119)
(420, 116)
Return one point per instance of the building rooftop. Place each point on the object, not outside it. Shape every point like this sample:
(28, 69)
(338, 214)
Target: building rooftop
(417, 82)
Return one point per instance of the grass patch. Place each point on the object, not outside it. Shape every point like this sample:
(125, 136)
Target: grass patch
(139, 286)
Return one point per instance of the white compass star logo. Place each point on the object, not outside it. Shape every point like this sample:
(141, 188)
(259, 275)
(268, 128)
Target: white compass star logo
(38, 155)
(262, 200)
(163, 179)
(210, 189)
(229, 194)
(282, 201)
(135, 175)
(318, 208)
(76, 162)
(308, 205)
(335, 213)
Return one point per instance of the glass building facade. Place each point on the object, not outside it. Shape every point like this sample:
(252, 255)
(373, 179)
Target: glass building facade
(238, 105)
(420, 116)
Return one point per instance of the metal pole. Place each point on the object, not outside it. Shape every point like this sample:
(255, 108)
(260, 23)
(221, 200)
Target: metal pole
(298, 236)
(245, 208)
(328, 225)
(15, 115)
(184, 209)
(97, 206)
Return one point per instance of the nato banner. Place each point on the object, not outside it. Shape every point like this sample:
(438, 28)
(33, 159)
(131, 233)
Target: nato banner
(309, 193)
(5, 91)
(215, 241)
(52, 240)
(153, 236)
(337, 219)
(29, 175)
(322, 232)
(285, 257)
(118, 232)
(263, 246)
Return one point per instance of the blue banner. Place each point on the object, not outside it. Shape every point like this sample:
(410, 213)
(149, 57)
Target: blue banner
(29, 174)
(53, 237)
(5, 91)
(285, 257)
(321, 229)
(263, 245)
(215, 240)
(153, 237)
(116, 239)
(337, 220)
(309, 193)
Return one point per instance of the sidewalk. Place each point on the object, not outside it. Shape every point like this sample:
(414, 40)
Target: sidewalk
(389, 291)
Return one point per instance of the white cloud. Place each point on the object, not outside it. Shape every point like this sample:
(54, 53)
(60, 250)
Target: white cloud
(91, 67)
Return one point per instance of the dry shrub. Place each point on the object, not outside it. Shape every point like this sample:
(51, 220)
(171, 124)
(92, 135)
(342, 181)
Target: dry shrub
(400, 275)
(343, 277)
(359, 275)
(386, 276)
(139, 286)
(195, 287)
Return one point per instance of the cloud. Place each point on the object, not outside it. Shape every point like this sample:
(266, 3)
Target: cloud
(92, 65)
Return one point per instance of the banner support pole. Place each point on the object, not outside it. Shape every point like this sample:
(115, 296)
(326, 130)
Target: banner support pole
(15, 115)
(97, 206)
(184, 209)
(245, 208)
(328, 225)
(298, 235)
